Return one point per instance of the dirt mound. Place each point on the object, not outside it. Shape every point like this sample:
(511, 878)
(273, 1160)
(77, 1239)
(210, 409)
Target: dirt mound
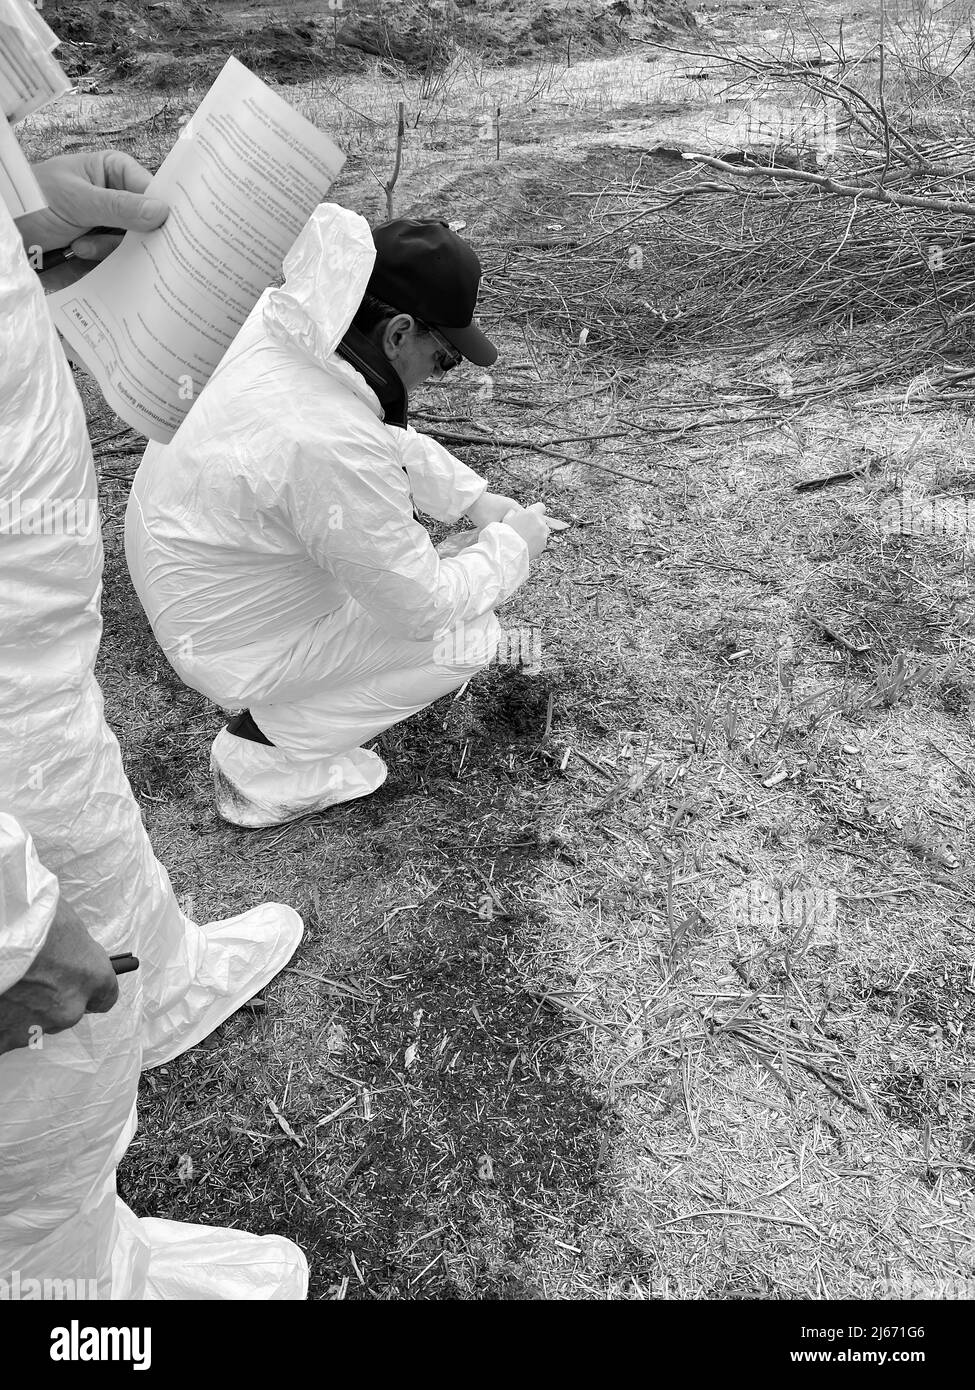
(524, 29)
(115, 38)
(169, 43)
(420, 36)
(120, 22)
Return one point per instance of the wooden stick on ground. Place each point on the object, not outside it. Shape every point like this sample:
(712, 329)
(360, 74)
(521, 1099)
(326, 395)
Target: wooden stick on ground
(845, 190)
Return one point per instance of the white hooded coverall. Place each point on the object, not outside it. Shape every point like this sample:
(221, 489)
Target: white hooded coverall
(274, 547)
(70, 825)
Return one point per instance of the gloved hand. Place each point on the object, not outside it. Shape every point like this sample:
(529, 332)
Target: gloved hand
(71, 975)
(530, 524)
(100, 188)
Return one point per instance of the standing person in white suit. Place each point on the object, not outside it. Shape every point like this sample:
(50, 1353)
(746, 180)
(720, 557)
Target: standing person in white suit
(78, 879)
(274, 543)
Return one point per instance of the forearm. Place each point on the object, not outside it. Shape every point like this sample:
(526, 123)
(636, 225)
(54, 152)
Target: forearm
(425, 594)
(490, 506)
(442, 486)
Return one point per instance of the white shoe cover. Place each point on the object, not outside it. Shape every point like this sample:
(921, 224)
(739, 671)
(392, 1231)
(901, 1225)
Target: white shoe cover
(219, 1262)
(257, 785)
(104, 1251)
(162, 1260)
(229, 962)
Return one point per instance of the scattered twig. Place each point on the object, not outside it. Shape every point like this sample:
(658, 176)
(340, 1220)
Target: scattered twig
(828, 479)
(283, 1123)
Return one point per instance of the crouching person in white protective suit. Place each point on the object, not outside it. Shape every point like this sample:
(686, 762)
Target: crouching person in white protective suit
(274, 543)
(78, 879)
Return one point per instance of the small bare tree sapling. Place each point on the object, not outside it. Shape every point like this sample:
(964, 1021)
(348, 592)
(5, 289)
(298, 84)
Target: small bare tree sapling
(391, 181)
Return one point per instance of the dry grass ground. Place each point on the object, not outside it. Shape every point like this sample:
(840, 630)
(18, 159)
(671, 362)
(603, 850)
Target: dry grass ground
(648, 973)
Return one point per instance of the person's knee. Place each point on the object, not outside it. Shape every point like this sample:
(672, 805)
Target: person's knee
(468, 647)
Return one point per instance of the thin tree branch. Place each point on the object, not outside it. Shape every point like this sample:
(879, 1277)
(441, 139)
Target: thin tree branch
(844, 190)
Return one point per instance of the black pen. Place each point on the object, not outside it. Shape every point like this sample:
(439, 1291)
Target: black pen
(124, 963)
(49, 259)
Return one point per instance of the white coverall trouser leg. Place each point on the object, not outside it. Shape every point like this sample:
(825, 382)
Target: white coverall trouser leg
(67, 1108)
(357, 680)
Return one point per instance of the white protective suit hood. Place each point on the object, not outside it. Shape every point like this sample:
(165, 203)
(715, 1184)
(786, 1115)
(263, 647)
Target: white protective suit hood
(326, 273)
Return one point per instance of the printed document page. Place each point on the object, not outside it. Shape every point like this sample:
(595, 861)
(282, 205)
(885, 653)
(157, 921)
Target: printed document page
(29, 74)
(19, 190)
(152, 322)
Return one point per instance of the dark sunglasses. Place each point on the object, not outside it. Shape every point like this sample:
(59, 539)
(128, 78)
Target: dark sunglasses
(448, 357)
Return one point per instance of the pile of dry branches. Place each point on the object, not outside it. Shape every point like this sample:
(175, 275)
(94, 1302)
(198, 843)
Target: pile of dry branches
(876, 222)
(797, 254)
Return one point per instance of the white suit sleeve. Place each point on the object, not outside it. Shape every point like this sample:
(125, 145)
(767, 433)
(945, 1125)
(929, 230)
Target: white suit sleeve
(28, 899)
(353, 512)
(442, 486)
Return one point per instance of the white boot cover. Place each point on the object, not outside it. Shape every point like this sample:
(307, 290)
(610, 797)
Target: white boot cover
(256, 785)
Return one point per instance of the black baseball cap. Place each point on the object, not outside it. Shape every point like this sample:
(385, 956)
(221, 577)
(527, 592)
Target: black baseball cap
(424, 269)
